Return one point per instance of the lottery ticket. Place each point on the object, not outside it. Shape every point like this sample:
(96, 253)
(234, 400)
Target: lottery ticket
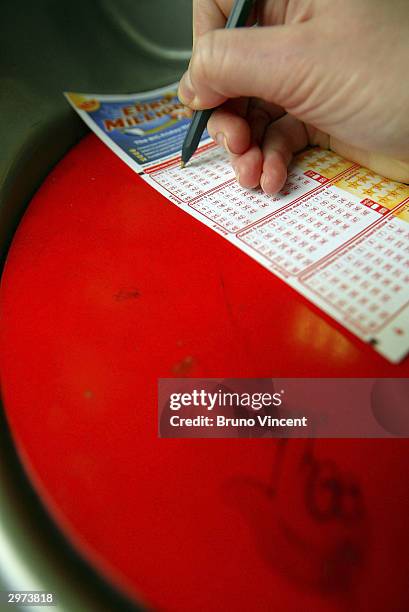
(337, 232)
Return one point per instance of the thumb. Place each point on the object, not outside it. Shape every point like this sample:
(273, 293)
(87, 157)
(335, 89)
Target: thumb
(265, 62)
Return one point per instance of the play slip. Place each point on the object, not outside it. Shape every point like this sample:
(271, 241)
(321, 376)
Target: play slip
(337, 232)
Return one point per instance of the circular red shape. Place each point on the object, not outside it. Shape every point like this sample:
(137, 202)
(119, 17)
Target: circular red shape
(108, 287)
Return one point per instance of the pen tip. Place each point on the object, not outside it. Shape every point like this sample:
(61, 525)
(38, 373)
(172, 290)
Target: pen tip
(182, 164)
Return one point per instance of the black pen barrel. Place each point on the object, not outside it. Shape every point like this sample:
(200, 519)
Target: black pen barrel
(194, 134)
(239, 14)
(237, 19)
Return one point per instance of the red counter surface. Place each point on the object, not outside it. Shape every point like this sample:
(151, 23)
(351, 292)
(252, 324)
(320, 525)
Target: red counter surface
(107, 287)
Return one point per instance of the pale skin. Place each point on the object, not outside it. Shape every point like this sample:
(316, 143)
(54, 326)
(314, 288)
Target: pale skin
(317, 72)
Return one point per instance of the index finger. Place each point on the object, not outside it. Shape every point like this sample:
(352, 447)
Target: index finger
(210, 15)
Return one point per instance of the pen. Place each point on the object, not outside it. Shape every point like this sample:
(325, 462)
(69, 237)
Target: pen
(237, 18)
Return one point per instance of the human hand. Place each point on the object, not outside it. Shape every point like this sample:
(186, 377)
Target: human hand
(318, 72)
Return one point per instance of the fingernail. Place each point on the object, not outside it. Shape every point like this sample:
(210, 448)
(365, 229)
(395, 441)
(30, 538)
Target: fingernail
(186, 93)
(220, 139)
(236, 172)
(264, 184)
(226, 146)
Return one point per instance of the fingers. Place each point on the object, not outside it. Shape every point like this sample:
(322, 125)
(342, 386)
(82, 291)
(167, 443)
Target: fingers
(260, 151)
(265, 163)
(228, 127)
(239, 126)
(229, 131)
(397, 170)
(287, 136)
(259, 115)
(248, 167)
(283, 138)
(238, 123)
(266, 160)
(211, 15)
(232, 132)
(267, 63)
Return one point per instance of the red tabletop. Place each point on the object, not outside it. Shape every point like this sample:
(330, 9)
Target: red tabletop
(109, 286)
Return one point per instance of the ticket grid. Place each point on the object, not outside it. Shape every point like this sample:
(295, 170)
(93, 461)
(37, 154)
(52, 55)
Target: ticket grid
(337, 232)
